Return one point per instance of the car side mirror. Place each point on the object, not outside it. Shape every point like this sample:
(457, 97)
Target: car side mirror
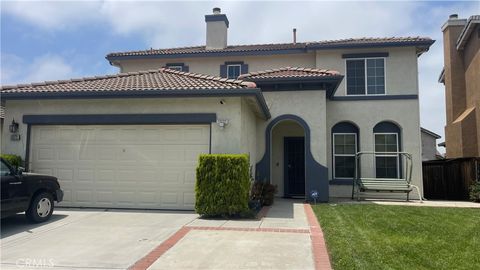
(20, 170)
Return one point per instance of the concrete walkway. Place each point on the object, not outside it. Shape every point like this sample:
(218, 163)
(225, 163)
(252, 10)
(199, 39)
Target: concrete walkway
(281, 240)
(284, 213)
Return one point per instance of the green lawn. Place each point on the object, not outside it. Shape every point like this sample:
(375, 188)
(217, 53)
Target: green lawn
(367, 236)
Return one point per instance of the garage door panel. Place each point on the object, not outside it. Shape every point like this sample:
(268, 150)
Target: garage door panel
(66, 135)
(121, 166)
(189, 199)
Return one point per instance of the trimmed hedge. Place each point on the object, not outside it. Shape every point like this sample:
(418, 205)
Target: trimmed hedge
(223, 185)
(14, 160)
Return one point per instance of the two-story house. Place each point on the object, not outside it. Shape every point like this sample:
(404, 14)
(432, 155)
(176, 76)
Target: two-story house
(461, 77)
(301, 110)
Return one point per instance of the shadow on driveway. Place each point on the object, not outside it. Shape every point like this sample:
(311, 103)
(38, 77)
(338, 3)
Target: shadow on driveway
(19, 223)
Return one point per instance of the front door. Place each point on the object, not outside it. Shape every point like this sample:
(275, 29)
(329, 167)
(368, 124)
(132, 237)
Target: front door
(294, 166)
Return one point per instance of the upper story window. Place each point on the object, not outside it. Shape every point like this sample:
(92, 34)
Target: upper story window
(365, 76)
(177, 66)
(233, 71)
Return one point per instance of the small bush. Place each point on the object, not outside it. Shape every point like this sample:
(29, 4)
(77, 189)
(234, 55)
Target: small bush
(475, 192)
(263, 192)
(222, 185)
(14, 160)
(269, 192)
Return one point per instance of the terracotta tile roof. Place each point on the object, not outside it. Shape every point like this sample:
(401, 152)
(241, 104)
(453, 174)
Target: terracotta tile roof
(290, 72)
(161, 79)
(340, 43)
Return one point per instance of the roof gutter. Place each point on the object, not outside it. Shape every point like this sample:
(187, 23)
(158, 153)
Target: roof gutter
(306, 48)
(176, 93)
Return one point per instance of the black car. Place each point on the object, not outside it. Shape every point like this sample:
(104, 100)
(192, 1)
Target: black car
(31, 193)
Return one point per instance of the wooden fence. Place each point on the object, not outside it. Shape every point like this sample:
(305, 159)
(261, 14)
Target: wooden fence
(450, 179)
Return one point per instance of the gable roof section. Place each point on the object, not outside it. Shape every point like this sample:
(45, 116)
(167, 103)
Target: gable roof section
(161, 79)
(422, 43)
(296, 78)
(153, 83)
(467, 31)
(290, 72)
(431, 133)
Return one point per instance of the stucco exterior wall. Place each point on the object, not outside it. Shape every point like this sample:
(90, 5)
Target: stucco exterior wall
(227, 140)
(462, 91)
(217, 32)
(400, 68)
(248, 136)
(280, 131)
(429, 147)
(211, 65)
(308, 109)
(310, 106)
(366, 114)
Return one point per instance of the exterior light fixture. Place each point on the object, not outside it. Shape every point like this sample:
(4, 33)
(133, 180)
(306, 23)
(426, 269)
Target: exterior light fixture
(222, 123)
(13, 127)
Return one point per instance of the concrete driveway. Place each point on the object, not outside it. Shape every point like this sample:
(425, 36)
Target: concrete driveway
(81, 239)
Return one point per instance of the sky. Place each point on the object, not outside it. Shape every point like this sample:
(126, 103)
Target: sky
(52, 40)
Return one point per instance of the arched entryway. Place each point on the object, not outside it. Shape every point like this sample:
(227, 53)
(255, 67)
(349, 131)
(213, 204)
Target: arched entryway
(288, 158)
(271, 167)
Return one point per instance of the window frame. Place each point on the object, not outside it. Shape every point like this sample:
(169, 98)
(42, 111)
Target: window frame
(366, 76)
(234, 65)
(386, 155)
(342, 155)
(175, 67)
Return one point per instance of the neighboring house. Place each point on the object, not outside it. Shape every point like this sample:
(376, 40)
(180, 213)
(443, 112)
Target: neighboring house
(2, 117)
(461, 77)
(301, 110)
(429, 145)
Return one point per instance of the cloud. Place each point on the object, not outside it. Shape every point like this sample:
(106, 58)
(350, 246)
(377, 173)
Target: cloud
(43, 68)
(53, 15)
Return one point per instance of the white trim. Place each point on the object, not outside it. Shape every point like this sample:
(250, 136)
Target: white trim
(394, 154)
(341, 155)
(235, 65)
(366, 83)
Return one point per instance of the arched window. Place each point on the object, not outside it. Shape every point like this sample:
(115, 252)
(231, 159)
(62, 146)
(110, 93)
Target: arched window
(345, 137)
(387, 145)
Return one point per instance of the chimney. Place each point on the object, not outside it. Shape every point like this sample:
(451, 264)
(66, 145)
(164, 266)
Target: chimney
(217, 29)
(294, 36)
(453, 20)
(455, 89)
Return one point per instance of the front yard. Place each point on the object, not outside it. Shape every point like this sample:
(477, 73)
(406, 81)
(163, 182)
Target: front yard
(361, 236)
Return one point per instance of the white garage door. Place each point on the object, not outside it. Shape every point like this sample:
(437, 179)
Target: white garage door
(128, 166)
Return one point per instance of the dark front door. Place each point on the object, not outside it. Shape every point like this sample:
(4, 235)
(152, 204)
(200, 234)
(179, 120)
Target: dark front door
(294, 170)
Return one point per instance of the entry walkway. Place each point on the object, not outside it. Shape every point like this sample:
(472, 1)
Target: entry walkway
(283, 239)
(284, 213)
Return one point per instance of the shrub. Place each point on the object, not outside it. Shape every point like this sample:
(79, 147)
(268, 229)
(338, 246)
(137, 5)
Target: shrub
(475, 192)
(263, 192)
(269, 192)
(14, 160)
(222, 185)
